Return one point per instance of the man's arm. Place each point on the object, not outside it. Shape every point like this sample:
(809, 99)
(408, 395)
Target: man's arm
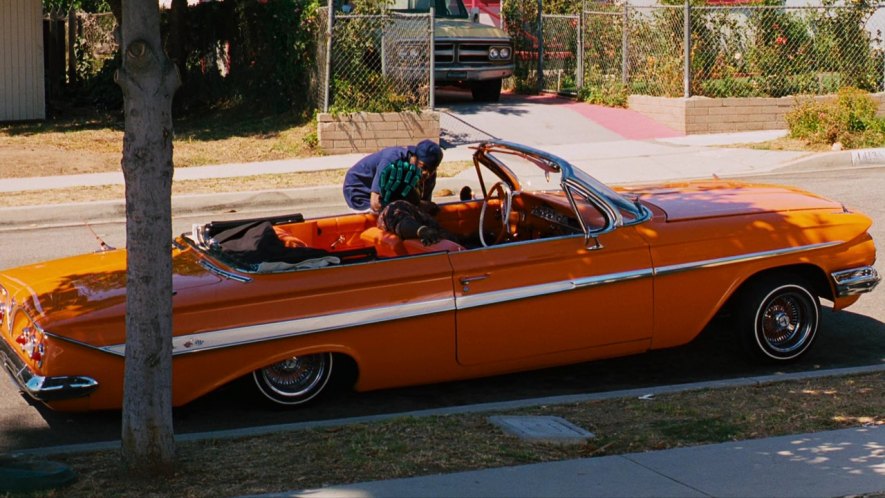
(429, 185)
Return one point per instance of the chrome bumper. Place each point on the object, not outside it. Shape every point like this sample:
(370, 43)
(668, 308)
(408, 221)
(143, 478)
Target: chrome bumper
(43, 388)
(855, 281)
(469, 73)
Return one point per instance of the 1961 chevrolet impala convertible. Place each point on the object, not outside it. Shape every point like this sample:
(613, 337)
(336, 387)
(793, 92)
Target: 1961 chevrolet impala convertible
(569, 272)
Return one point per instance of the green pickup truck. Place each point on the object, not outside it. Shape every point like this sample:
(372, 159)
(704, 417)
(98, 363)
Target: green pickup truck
(466, 53)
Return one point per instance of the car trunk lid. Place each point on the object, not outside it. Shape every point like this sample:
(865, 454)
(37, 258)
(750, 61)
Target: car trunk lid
(61, 294)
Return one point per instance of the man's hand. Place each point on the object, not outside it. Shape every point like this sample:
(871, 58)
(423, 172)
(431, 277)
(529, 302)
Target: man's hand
(428, 235)
(375, 202)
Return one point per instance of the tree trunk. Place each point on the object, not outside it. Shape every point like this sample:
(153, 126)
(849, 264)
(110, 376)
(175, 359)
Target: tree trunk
(148, 80)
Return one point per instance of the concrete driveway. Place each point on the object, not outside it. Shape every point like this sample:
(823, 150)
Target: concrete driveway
(540, 121)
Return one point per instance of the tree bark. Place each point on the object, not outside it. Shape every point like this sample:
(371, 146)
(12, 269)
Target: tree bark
(148, 80)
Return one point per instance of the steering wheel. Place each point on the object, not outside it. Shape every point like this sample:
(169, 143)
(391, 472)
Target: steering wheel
(500, 191)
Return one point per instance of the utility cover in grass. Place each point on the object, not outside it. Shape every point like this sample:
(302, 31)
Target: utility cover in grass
(23, 475)
(543, 429)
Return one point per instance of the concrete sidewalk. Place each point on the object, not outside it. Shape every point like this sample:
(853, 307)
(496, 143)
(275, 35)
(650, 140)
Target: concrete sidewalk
(826, 464)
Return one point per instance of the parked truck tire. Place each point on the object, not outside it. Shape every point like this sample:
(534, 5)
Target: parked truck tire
(486, 91)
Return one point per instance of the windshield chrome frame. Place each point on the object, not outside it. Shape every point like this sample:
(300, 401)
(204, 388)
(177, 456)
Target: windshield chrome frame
(609, 202)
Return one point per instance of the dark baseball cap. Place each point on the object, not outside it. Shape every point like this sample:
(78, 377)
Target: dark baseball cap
(429, 153)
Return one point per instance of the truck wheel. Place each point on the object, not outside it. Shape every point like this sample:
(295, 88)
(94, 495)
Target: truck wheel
(486, 91)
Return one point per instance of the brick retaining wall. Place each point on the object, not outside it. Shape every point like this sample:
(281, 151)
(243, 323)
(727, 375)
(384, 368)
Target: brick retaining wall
(369, 131)
(695, 115)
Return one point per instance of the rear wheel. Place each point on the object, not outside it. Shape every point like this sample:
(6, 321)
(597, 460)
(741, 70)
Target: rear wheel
(778, 319)
(296, 380)
(486, 91)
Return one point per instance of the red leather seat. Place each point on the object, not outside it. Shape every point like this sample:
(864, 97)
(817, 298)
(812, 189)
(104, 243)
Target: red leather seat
(389, 245)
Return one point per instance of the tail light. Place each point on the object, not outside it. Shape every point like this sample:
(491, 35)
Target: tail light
(4, 306)
(31, 340)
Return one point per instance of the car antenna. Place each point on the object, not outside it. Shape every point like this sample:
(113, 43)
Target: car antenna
(104, 247)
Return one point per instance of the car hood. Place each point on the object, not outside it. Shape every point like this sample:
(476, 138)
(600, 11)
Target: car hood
(71, 296)
(465, 29)
(698, 200)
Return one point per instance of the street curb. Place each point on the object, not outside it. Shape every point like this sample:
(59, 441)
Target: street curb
(838, 159)
(645, 392)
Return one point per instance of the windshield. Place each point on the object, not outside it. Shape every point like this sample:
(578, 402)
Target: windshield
(538, 170)
(444, 8)
(628, 208)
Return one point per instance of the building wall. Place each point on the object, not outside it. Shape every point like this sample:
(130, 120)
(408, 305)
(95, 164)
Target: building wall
(22, 95)
(369, 132)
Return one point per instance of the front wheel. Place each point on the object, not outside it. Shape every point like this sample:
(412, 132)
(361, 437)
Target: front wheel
(296, 380)
(778, 320)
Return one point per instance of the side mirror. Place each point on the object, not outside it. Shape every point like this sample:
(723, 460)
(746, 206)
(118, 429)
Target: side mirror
(466, 193)
(474, 14)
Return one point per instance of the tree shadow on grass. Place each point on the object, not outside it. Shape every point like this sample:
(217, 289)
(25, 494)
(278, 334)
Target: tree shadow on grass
(213, 124)
(240, 121)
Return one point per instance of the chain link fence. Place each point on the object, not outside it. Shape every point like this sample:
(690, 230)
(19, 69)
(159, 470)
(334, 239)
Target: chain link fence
(714, 51)
(746, 51)
(374, 63)
(561, 40)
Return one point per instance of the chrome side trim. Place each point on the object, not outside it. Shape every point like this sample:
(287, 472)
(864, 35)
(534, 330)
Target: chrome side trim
(495, 297)
(224, 273)
(203, 341)
(44, 388)
(855, 281)
(743, 258)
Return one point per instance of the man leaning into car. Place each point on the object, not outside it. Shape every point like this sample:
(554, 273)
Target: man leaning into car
(363, 181)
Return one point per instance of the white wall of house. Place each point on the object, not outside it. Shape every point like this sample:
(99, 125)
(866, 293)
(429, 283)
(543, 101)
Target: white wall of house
(22, 94)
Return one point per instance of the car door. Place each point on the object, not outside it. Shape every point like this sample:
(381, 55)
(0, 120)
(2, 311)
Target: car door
(395, 316)
(553, 296)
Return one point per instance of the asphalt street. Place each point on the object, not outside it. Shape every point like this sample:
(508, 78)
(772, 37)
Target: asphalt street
(850, 338)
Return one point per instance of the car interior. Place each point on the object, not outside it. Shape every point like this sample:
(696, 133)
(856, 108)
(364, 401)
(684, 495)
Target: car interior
(501, 213)
(356, 237)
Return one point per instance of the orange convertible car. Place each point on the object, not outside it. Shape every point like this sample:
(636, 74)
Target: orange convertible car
(566, 272)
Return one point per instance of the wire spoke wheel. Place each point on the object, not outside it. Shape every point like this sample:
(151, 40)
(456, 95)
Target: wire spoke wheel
(785, 323)
(779, 320)
(295, 380)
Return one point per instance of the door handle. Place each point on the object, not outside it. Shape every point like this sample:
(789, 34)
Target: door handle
(466, 281)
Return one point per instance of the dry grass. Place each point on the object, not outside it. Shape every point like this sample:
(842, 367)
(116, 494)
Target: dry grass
(93, 144)
(783, 143)
(419, 446)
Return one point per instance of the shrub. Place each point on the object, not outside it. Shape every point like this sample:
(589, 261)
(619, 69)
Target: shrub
(731, 87)
(849, 119)
(612, 94)
(271, 51)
